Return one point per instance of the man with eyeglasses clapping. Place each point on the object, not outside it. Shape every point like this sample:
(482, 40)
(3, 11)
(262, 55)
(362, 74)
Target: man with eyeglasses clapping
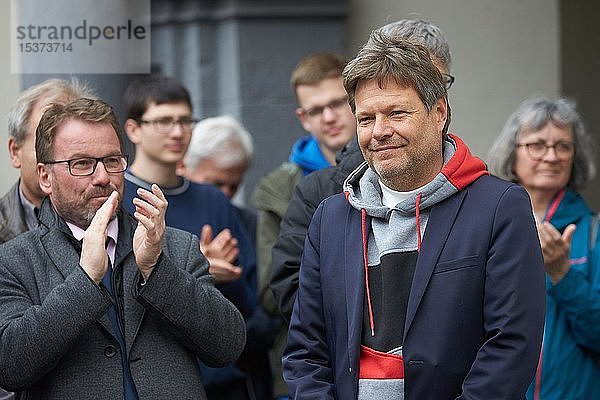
(96, 303)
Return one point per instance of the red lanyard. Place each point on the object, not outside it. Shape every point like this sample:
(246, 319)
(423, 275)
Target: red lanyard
(554, 205)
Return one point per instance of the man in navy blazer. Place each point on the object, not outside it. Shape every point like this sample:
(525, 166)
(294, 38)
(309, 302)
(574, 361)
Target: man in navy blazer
(424, 280)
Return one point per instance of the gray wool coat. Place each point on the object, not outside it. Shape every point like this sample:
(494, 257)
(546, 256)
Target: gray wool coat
(56, 341)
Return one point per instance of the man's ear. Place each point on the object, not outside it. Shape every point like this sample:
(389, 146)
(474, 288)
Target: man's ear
(440, 110)
(14, 152)
(181, 168)
(44, 178)
(132, 130)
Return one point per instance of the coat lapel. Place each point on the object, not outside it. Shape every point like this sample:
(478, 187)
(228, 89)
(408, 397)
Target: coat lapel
(134, 311)
(441, 219)
(63, 249)
(64, 252)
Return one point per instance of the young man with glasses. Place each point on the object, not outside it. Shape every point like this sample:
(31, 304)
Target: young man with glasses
(96, 303)
(324, 113)
(159, 123)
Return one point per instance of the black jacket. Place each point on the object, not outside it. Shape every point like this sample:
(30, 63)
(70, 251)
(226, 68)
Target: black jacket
(307, 195)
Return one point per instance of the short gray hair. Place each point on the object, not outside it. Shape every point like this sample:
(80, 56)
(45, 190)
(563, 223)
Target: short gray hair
(52, 91)
(222, 139)
(533, 114)
(384, 58)
(423, 32)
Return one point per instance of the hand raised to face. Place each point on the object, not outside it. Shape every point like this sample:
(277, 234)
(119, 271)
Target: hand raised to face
(94, 259)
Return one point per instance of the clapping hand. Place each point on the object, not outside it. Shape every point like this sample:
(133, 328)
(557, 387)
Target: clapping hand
(221, 252)
(94, 259)
(150, 209)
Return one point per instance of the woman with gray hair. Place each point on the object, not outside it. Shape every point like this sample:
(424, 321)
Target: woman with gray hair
(544, 147)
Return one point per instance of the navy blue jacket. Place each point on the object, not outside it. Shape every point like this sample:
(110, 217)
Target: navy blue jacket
(475, 312)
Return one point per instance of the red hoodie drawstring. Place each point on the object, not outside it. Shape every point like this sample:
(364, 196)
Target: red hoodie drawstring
(366, 263)
(418, 205)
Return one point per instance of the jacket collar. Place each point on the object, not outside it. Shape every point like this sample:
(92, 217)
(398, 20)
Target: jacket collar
(64, 252)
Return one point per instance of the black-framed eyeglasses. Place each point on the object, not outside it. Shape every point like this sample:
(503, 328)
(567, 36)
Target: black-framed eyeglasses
(537, 150)
(334, 105)
(166, 124)
(86, 166)
(448, 80)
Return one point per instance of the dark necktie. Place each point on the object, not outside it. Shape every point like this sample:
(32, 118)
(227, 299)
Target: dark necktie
(113, 315)
(107, 278)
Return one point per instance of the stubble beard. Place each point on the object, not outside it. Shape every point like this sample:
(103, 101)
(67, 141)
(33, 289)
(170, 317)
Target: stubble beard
(79, 212)
(409, 172)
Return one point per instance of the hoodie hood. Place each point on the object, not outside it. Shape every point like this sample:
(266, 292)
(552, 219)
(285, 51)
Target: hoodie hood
(392, 236)
(307, 155)
(460, 169)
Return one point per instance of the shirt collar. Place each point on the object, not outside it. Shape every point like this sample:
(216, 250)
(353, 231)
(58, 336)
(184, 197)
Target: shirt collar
(113, 233)
(113, 230)
(390, 197)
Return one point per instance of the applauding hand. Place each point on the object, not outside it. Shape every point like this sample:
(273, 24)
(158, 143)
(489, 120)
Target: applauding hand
(221, 252)
(150, 209)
